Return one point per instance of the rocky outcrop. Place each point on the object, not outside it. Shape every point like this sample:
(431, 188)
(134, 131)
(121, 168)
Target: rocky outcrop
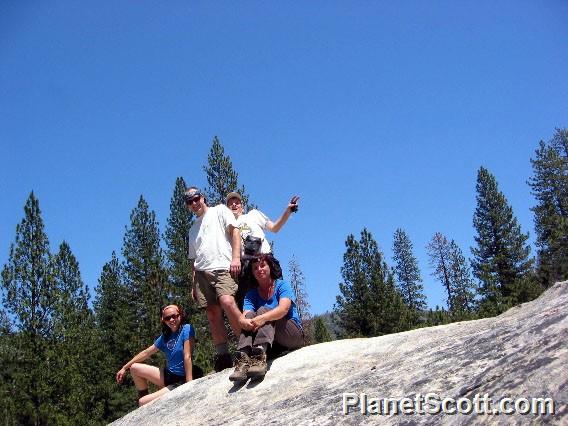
(521, 354)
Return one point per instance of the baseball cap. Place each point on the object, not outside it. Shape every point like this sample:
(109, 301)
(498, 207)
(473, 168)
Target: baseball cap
(233, 195)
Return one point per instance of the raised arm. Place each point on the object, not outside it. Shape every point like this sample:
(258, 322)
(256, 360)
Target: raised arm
(290, 208)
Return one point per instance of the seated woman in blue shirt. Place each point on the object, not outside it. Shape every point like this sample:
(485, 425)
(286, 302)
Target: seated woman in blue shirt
(269, 316)
(177, 342)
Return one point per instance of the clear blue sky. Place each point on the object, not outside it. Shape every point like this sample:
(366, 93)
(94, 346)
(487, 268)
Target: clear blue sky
(378, 114)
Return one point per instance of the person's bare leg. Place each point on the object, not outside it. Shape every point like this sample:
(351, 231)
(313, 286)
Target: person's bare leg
(142, 373)
(230, 307)
(216, 324)
(153, 396)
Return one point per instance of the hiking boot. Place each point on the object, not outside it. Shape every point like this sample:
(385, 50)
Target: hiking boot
(223, 361)
(258, 363)
(241, 367)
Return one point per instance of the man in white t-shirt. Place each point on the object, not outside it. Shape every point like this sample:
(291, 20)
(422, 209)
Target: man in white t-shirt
(215, 247)
(255, 222)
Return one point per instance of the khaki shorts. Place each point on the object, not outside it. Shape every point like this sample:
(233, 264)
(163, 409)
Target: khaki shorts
(210, 285)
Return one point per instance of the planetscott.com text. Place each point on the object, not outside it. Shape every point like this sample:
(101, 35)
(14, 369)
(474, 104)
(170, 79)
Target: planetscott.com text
(433, 403)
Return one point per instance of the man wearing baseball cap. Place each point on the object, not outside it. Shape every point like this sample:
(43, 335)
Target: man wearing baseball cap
(215, 247)
(255, 222)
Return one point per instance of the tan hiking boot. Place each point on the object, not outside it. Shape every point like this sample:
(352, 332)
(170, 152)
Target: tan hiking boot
(242, 365)
(258, 363)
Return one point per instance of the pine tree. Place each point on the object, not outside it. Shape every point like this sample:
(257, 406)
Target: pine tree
(28, 298)
(114, 323)
(450, 267)
(369, 304)
(298, 284)
(73, 294)
(353, 302)
(408, 275)
(28, 286)
(501, 255)
(8, 355)
(144, 273)
(463, 287)
(549, 186)
(321, 333)
(221, 177)
(112, 313)
(74, 373)
(176, 238)
(5, 328)
(439, 257)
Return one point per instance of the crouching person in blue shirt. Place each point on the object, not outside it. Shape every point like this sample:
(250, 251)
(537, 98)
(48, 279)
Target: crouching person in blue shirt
(177, 342)
(269, 316)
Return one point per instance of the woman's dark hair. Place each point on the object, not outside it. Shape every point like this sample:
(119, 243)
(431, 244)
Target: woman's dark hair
(167, 331)
(274, 265)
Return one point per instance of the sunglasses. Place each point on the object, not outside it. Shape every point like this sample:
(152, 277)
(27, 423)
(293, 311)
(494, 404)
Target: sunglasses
(169, 317)
(191, 200)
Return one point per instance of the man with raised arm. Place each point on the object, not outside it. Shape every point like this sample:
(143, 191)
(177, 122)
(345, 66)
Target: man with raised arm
(252, 226)
(255, 222)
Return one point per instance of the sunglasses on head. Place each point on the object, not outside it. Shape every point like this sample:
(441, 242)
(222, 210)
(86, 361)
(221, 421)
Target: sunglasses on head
(169, 317)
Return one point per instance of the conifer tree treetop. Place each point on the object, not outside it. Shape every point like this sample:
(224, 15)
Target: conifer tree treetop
(407, 272)
(501, 254)
(28, 286)
(222, 177)
(369, 303)
(549, 185)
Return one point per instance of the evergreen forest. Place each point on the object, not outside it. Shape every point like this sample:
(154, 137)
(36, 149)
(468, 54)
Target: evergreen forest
(62, 343)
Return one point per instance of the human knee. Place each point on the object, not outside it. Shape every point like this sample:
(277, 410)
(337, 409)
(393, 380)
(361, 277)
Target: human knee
(135, 369)
(262, 310)
(227, 302)
(289, 335)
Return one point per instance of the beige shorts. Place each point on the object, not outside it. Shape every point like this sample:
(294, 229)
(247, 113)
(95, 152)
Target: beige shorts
(210, 285)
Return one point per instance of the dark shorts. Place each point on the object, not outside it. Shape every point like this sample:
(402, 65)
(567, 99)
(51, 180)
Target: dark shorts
(172, 379)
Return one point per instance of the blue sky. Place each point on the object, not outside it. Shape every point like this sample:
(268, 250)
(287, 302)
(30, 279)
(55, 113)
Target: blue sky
(378, 114)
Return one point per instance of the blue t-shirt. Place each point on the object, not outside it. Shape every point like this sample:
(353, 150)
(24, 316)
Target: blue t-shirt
(253, 301)
(173, 348)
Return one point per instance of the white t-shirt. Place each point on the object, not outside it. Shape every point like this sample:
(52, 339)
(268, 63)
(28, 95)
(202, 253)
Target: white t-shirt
(210, 241)
(254, 223)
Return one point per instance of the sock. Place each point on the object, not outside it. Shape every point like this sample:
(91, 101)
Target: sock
(222, 348)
